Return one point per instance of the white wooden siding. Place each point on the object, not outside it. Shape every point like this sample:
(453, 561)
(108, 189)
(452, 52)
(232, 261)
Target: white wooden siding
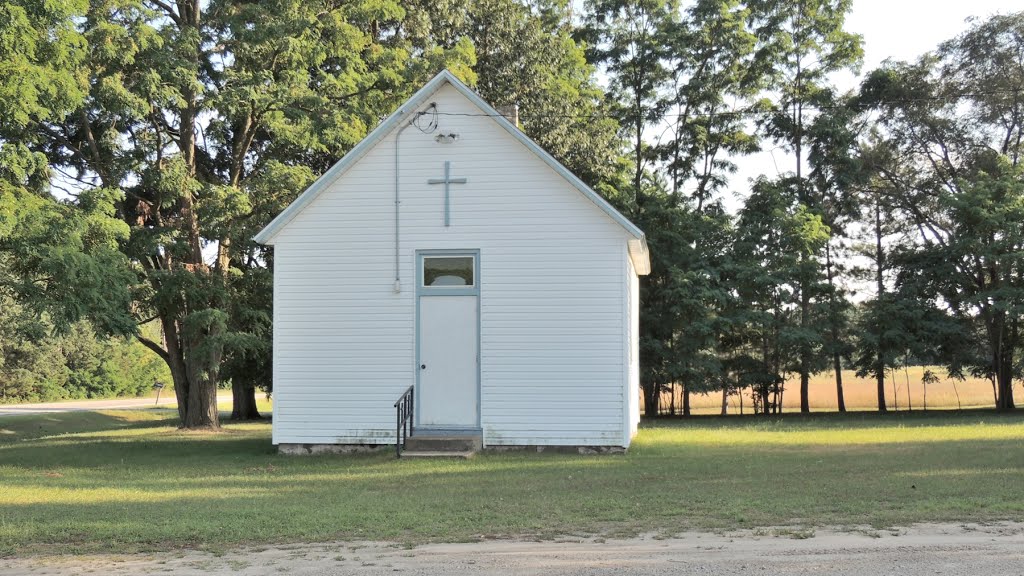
(553, 325)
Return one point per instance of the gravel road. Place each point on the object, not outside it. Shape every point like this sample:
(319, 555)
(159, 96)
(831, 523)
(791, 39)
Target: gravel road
(87, 405)
(990, 550)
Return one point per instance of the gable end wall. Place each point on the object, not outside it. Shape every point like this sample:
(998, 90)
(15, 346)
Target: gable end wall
(553, 324)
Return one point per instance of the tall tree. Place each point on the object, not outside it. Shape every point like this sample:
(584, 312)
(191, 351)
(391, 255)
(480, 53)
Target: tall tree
(805, 41)
(208, 118)
(776, 236)
(526, 56)
(836, 175)
(59, 253)
(715, 76)
(875, 348)
(629, 40)
(955, 119)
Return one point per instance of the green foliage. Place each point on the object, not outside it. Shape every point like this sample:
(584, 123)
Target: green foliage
(40, 50)
(38, 366)
(714, 64)
(205, 120)
(526, 55)
(774, 255)
(630, 41)
(144, 143)
(951, 157)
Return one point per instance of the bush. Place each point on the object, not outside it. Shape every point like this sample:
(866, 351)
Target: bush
(36, 366)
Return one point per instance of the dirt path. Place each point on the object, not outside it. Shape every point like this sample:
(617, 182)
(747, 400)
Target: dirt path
(992, 550)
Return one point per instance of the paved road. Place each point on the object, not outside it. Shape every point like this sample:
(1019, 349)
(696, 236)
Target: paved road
(167, 398)
(946, 549)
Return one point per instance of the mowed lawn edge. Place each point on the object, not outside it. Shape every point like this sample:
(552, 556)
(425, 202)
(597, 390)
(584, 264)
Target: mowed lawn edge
(130, 481)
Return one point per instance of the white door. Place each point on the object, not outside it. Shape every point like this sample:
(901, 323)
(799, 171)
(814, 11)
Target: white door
(448, 394)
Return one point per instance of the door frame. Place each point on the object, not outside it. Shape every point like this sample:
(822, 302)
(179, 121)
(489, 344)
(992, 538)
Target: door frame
(474, 290)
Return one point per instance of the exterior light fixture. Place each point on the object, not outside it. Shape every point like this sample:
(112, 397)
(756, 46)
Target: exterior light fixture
(446, 138)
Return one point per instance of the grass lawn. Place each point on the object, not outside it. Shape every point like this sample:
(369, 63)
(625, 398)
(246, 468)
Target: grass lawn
(121, 481)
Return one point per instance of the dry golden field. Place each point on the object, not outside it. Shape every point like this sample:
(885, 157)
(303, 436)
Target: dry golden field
(860, 393)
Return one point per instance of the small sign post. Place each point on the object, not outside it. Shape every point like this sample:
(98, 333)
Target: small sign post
(159, 387)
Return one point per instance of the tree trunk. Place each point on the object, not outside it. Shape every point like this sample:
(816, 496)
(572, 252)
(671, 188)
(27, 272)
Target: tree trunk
(725, 400)
(880, 383)
(200, 350)
(202, 360)
(879, 294)
(1004, 378)
(651, 400)
(805, 353)
(176, 364)
(181, 387)
(1006, 367)
(837, 361)
(1006, 394)
(906, 374)
(895, 390)
(686, 400)
(202, 408)
(805, 293)
(837, 365)
(243, 402)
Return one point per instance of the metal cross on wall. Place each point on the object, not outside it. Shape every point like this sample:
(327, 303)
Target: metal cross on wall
(446, 181)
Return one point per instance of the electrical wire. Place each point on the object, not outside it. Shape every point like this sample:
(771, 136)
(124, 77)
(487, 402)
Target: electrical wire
(432, 125)
(754, 111)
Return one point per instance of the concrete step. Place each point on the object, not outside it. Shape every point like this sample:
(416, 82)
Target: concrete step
(437, 454)
(443, 443)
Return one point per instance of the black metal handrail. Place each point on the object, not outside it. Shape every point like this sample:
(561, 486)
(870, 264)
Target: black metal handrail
(403, 420)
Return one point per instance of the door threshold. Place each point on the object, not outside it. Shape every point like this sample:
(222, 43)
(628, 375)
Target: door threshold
(430, 431)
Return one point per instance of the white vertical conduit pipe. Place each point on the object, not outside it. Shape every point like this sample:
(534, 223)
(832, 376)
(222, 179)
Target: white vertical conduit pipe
(411, 122)
(398, 279)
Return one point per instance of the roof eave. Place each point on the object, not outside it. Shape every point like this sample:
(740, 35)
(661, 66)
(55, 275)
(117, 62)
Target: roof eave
(266, 236)
(548, 159)
(640, 255)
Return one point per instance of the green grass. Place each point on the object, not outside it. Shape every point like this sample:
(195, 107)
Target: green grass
(122, 481)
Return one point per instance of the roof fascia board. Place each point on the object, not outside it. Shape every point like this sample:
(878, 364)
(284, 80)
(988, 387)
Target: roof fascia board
(266, 235)
(546, 157)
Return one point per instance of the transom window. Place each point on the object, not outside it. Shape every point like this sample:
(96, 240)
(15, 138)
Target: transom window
(448, 271)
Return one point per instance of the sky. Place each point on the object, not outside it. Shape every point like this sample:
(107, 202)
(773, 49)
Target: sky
(905, 29)
(896, 29)
(891, 29)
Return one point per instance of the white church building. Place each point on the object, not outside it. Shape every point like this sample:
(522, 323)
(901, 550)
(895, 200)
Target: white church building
(449, 254)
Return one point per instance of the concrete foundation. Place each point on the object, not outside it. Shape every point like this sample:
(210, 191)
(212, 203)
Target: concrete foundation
(559, 449)
(306, 449)
(313, 449)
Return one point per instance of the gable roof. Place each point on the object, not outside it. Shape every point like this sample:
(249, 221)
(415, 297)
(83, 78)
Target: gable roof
(637, 244)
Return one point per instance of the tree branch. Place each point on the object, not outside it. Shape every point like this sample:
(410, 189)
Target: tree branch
(167, 10)
(156, 348)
